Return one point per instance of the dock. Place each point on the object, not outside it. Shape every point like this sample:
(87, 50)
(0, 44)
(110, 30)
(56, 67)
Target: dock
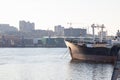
(116, 70)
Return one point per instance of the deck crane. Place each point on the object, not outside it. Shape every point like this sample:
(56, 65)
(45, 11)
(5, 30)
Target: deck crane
(98, 26)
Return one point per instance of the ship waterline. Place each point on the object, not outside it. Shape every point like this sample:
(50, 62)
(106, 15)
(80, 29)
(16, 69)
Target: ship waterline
(96, 58)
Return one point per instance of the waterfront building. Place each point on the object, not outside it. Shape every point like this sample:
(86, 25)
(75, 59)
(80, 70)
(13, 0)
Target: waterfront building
(26, 26)
(59, 30)
(9, 41)
(49, 42)
(74, 32)
(6, 28)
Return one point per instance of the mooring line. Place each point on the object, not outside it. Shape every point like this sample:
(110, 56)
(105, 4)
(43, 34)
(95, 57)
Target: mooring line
(65, 54)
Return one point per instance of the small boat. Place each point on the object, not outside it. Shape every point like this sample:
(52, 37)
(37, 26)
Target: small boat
(94, 49)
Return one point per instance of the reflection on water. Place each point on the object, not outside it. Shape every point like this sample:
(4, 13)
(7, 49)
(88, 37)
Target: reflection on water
(48, 64)
(90, 71)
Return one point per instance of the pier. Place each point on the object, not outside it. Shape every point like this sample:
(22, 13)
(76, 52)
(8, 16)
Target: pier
(116, 70)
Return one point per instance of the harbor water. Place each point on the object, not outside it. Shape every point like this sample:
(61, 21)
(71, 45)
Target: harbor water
(48, 64)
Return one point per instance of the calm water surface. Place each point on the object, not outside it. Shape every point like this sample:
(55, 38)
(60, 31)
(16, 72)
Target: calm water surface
(48, 64)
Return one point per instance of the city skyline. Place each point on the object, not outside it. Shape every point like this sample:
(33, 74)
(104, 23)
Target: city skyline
(48, 13)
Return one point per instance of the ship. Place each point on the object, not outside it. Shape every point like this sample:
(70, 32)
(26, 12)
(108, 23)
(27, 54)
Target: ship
(94, 49)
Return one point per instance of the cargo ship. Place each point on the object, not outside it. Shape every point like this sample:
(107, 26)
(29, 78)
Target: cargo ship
(94, 49)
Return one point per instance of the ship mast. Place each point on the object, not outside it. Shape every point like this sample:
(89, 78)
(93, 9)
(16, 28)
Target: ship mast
(101, 36)
(93, 26)
(70, 23)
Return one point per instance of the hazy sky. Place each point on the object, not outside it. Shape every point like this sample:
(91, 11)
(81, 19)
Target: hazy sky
(47, 13)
